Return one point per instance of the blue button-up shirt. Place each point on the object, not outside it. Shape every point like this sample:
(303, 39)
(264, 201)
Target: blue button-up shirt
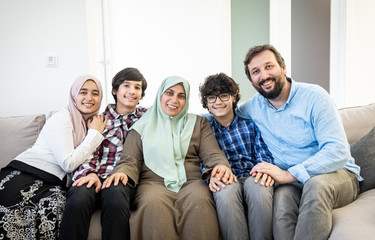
(306, 135)
(242, 144)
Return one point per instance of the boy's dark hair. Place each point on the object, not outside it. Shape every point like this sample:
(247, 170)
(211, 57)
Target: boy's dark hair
(259, 49)
(131, 74)
(217, 84)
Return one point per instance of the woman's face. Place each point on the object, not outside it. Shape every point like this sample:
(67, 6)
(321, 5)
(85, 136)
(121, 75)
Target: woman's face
(88, 98)
(173, 100)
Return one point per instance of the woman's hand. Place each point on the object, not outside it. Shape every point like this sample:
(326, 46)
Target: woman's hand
(97, 122)
(215, 185)
(223, 174)
(115, 178)
(90, 179)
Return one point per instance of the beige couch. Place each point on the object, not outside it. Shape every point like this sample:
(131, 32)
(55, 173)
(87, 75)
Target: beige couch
(354, 221)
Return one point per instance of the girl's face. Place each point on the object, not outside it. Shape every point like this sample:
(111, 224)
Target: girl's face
(88, 98)
(173, 100)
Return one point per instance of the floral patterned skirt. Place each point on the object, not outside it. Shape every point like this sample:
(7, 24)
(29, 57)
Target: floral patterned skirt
(30, 208)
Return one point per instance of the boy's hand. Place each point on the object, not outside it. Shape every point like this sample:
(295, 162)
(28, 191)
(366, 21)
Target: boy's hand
(279, 175)
(266, 180)
(115, 178)
(90, 179)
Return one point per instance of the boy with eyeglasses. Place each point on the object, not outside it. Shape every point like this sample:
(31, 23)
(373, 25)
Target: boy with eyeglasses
(241, 141)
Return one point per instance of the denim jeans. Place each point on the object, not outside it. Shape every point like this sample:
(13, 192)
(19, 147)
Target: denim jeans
(305, 211)
(245, 210)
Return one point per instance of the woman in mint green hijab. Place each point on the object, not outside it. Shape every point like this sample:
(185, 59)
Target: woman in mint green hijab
(162, 156)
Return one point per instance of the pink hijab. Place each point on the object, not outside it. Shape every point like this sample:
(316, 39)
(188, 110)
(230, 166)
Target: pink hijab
(79, 119)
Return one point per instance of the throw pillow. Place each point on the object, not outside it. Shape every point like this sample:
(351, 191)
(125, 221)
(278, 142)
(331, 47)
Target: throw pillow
(18, 134)
(363, 152)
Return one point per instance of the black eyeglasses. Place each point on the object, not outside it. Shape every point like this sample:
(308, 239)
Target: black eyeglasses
(223, 97)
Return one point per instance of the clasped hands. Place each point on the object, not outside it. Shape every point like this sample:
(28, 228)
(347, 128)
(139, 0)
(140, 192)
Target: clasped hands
(265, 173)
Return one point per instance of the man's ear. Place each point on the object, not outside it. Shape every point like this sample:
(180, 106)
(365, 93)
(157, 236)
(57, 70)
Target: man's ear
(114, 92)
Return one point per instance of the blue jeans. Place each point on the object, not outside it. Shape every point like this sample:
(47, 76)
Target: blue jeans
(305, 211)
(245, 210)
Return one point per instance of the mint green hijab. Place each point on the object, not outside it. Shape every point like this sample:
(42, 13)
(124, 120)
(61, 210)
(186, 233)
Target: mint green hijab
(166, 139)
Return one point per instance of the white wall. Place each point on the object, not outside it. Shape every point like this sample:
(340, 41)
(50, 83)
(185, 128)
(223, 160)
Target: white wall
(187, 37)
(190, 38)
(29, 31)
(360, 52)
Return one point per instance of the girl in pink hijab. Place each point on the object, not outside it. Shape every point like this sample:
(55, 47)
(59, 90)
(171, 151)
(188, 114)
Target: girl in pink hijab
(33, 185)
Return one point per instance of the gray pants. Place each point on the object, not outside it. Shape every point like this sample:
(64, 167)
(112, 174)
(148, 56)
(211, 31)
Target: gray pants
(237, 199)
(305, 211)
(299, 211)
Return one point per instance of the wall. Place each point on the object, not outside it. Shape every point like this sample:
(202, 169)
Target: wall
(360, 52)
(310, 31)
(250, 26)
(29, 31)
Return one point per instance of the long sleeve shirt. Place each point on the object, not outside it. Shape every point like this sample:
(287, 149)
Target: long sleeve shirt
(54, 150)
(242, 144)
(306, 135)
(104, 159)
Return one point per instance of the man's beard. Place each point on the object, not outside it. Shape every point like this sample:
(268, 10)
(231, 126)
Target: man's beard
(275, 92)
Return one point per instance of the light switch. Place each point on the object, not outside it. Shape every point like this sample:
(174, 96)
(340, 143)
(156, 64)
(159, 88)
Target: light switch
(52, 60)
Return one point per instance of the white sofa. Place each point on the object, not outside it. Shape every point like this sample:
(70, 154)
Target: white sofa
(354, 221)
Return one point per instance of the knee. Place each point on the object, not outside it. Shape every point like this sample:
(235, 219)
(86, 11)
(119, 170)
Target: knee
(78, 196)
(256, 192)
(231, 193)
(117, 196)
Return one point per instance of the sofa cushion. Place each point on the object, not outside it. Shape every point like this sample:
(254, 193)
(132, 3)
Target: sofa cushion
(356, 220)
(363, 152)
(358, 121)
(18, 134)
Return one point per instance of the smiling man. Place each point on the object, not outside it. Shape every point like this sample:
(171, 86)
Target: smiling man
(243, 146)
(313, 169)
(85, 195)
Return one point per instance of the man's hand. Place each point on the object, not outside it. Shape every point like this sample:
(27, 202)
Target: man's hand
(274, 171)
(115, 178)
(223, 174)
(90, 179)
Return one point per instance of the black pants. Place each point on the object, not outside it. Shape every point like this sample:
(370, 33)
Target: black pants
(81, 202)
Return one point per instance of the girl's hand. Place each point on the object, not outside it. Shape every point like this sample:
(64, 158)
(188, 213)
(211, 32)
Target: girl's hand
(97, 122)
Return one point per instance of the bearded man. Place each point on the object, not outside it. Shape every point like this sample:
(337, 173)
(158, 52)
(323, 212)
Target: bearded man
(313, 168)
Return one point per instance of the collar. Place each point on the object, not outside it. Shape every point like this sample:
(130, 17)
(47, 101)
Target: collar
(218, 125)
(110, 111)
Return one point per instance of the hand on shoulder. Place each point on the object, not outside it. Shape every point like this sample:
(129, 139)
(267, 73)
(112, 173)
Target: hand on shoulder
(97, 122)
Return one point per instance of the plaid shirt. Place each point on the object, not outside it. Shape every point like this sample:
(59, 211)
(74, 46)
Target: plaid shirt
(242, 144)
(104, 159)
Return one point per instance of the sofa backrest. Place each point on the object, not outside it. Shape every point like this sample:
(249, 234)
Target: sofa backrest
(358, 121)
(18, 134)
